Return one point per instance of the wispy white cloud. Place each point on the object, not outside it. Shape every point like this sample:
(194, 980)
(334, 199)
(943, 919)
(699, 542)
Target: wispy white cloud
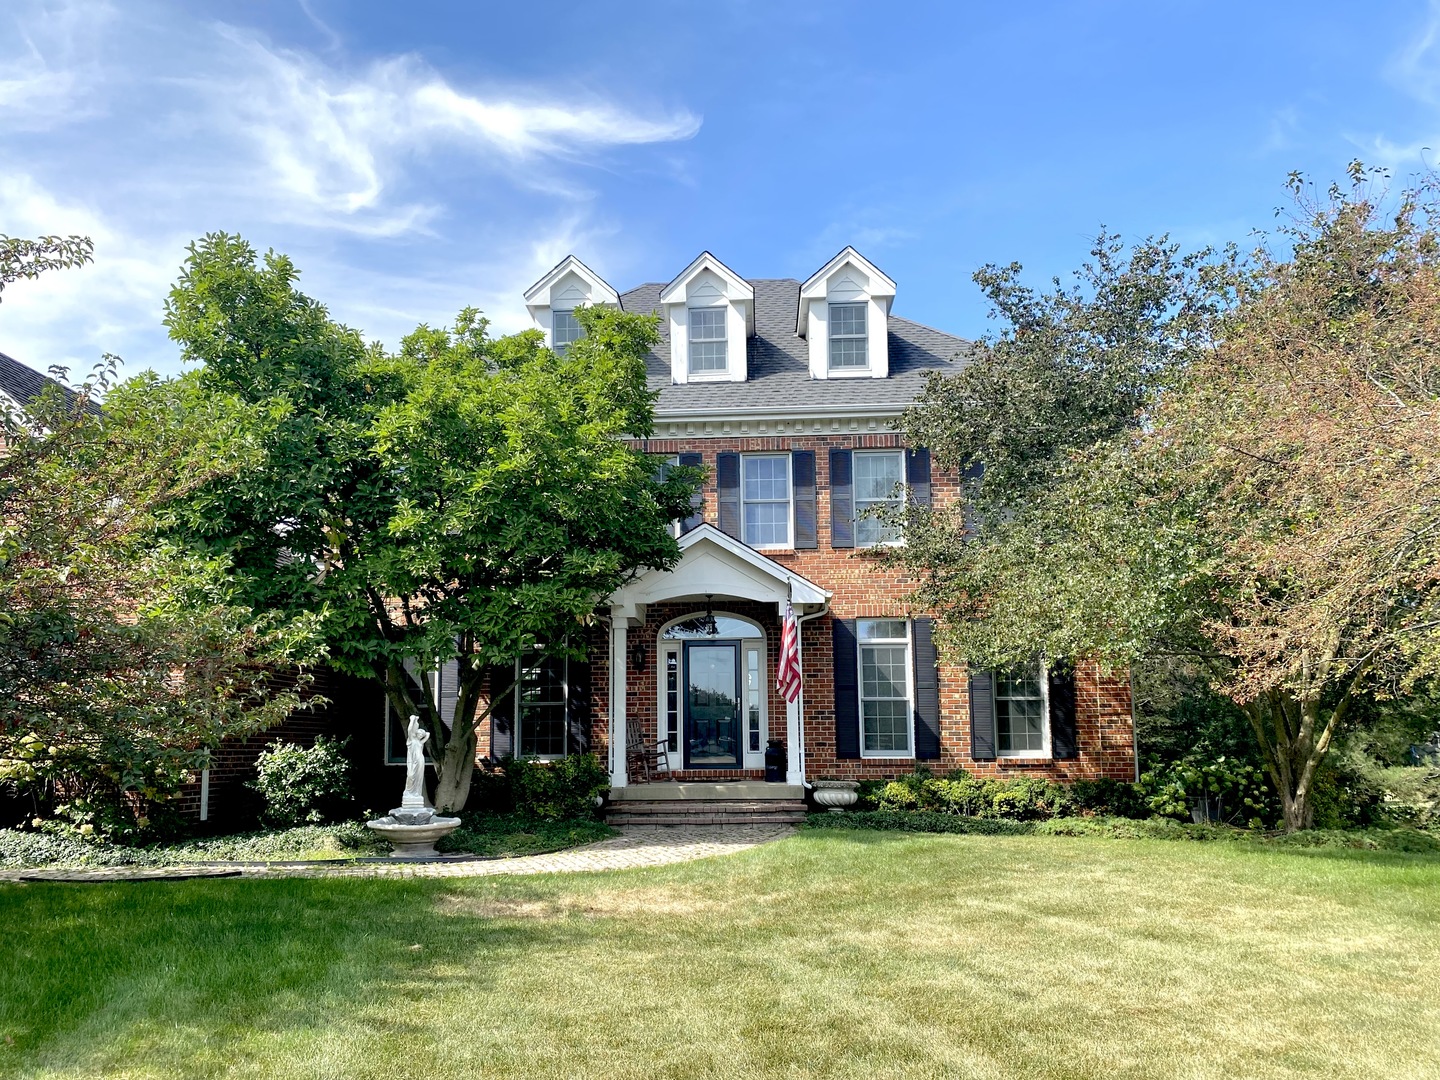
(403, 193)
(1415, 70)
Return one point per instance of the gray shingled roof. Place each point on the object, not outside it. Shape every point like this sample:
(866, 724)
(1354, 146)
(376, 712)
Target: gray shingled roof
(21, 382)
(778, 368)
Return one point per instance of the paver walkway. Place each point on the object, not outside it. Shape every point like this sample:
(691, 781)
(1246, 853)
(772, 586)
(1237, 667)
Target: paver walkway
(635, 847)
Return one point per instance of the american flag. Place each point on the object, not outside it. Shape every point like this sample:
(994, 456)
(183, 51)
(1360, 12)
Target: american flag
(787, 675)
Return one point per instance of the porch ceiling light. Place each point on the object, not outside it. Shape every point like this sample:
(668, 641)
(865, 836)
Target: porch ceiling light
(708, 626)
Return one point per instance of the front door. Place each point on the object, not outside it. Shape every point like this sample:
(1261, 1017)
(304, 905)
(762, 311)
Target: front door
(712, 705)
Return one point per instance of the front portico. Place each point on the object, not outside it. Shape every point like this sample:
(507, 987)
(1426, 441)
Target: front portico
(692, 655)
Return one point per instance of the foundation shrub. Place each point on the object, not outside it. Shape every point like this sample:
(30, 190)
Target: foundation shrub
(303, 785)
(1024, 798)
(557, 790)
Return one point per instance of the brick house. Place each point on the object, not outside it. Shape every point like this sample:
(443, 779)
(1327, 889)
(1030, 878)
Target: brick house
(787, 392)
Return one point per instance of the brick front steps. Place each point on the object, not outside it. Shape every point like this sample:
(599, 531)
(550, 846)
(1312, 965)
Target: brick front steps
(744, 802)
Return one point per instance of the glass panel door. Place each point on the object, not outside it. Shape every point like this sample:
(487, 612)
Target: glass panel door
(712, 704)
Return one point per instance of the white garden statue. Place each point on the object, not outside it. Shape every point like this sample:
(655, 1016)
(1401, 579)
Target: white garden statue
(415, 740)
(413, 826)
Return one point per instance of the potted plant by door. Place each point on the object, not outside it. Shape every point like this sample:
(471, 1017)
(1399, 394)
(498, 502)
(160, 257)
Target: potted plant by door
(836, 795)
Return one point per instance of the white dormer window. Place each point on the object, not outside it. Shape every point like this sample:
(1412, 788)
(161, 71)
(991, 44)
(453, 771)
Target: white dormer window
(710, 310)
(565, 330)
(553, 299)
(845, 317)
(847, 336)
(707, 341)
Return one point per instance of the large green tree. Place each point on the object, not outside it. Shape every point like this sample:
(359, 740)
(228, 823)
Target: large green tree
(464, 498)
(122, 661)
(1271, 511)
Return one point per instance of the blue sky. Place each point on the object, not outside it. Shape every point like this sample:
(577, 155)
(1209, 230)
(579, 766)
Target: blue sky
(414, 158)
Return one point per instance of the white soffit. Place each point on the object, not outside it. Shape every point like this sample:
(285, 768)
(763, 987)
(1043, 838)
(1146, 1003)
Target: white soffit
(538, 295)
(737, 289)
(715, 563)
(817, 286)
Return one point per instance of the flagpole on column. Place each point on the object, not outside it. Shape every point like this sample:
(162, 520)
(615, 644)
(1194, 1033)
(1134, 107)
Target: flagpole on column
(789, 681)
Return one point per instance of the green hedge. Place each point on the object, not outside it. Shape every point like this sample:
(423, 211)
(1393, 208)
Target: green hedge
(1403, 840)
(917, 821)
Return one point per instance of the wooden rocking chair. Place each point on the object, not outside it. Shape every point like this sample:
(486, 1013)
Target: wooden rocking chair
(646, 755)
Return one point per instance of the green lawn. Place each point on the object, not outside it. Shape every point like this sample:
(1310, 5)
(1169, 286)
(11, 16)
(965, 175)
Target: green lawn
(827, 955)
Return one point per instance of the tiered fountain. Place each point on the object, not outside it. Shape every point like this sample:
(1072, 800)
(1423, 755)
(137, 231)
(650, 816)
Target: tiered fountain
(413, 827)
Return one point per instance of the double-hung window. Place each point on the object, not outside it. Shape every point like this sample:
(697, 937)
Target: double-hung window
(847, 337)
(1021, 708)
(885, 710)
(707, 341)
(765, 499)
(565, 330)
(444, 684)
(879, 487)
(540, 723)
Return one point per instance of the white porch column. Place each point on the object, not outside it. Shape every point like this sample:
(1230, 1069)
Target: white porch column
(619, 631)
(794, 716)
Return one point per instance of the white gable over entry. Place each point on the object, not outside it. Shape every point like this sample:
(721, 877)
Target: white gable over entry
(711, 564)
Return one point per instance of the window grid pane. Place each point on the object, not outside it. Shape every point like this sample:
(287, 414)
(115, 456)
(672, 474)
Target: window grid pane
(541, 708)
(885, 687)
(1020, 711)
(707, 339)
(672, 701)
(566, 330)
(847, 336)
(765, 493)
(879, 479)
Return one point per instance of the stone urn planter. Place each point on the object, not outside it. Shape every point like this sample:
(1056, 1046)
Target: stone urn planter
(836, 795)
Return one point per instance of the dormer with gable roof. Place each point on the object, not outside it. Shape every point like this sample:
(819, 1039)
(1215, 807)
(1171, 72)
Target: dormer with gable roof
(844, 316)
(553, 299)
(711, 314)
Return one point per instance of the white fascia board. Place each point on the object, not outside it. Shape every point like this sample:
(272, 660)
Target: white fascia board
(802, 589)
(736, 287)
(879, 411)
(881, 287)
(538, 295)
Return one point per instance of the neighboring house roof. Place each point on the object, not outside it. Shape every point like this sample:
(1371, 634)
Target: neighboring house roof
(779, 361)
(20, 383)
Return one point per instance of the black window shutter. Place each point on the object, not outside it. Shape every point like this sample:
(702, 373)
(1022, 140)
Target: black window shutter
(847, 690)
(449, 690)
(842, 500)
(727, 482)
(982, 716)
(502, 713)
(917, 476)
(972, 474)
(697, 501)
(802, 474)
(577, 706)
(927, 690)
(1064, 741)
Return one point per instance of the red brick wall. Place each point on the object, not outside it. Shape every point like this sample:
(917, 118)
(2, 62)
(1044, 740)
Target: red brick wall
(863, 587)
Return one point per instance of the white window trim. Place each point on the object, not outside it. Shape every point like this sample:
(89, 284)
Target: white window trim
(555, 343)
(898, 541)
(789, 544)
(1045, 750)
(709, 374)
(388, 750)
(860, 644)
(518, 715)
(849, 370)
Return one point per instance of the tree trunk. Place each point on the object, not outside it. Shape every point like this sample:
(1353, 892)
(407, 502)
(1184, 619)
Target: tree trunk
(1294, 742)
(455, 768)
